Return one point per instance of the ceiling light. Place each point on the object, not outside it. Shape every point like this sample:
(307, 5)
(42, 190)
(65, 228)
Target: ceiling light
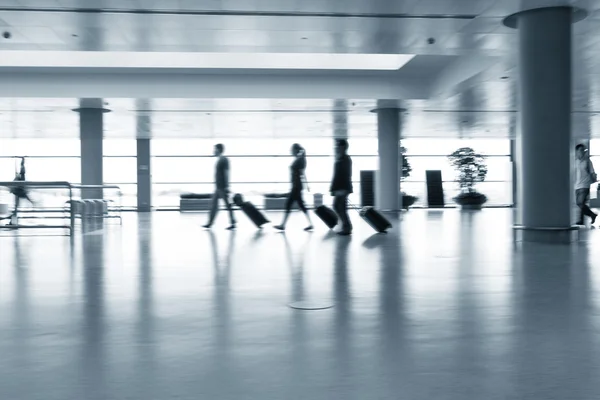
(112, 59)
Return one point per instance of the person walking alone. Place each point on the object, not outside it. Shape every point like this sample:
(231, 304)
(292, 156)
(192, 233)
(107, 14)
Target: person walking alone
(585, 177)
(297, 172)
(222, 187)
(20, 192)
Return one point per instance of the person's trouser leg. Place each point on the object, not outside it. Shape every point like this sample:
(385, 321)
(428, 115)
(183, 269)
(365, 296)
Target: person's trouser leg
(225, 197)
(215, 207)
(340, 206)
(581, 196)
(288, 207)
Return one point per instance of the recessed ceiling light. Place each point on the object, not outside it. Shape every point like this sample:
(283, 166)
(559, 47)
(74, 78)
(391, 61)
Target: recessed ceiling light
(111, 59)
(504, 77)
(74, 35)
(304, 38)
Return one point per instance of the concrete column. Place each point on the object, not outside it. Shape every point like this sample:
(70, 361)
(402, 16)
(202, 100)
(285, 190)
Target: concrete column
(387, 195)
(144, 176)
(543, 140)
(91, 134)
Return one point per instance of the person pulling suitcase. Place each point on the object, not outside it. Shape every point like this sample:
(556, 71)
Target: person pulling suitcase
(297, 172)
(341, 185)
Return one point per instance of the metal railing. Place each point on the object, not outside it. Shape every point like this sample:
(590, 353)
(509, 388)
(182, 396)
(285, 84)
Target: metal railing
(45, 185)
(116, 208)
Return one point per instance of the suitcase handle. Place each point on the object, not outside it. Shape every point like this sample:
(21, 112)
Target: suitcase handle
(354, 206)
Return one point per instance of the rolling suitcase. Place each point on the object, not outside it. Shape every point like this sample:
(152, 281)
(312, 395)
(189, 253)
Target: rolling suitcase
(254, 214)
(327, 215)
(375, 219)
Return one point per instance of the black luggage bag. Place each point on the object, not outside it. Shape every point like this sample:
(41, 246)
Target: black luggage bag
(375, 219)
(327, 215)
(254, 214)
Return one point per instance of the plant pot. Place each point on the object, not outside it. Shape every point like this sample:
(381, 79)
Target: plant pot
(470, 200)
(471, 207)
(408, 200)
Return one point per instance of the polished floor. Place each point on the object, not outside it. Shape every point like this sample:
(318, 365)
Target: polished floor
(443, 307)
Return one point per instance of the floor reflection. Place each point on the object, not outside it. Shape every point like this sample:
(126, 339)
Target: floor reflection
(444, 306)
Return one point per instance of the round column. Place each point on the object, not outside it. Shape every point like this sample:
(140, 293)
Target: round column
(387, 195)
(543, 140)
(91, 130)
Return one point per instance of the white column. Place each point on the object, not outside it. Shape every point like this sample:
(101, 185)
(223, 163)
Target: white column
(543, 140)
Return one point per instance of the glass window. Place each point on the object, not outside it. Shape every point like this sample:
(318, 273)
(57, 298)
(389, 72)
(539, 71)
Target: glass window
(182, 147)
(120, 170)
(444, 147)
(594, 147)
(119, 147)
(52, 169)
(499, 168)
(498, 193)
(40, 147)
(128, 198)
(183, 169)
(360, 164)
(259, 169)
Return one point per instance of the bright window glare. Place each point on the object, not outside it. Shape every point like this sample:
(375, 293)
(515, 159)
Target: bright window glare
(108, 59)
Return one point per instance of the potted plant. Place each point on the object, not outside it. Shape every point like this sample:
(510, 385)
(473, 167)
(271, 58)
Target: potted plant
(407, 200)
(470, 168)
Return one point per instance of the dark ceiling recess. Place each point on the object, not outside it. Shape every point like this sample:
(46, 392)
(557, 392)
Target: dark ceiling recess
(237, 13)
(6, 35)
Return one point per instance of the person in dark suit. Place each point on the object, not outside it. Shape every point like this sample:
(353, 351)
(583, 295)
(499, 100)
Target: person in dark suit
(341, 185)
(297, 172)
(222, 187)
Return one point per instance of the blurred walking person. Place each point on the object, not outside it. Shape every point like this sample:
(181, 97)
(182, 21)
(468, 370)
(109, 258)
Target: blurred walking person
(585, 177)
(297, 169)
(222, 187)
(20, 192)
(341, 185)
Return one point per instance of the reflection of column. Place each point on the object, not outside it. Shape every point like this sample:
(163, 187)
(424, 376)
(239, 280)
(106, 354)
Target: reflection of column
(395, 352)
(342, 320)
(93, 325)
(340, 119)
(552, 301)
(91, 131)
(21, 318)
(145, 327)
(388, 196)
(544, 138)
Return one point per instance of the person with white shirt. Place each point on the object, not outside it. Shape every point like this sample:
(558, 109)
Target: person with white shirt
(585, 177)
